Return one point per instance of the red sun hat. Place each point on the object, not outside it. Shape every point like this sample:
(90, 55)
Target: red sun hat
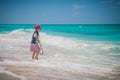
(37, 26)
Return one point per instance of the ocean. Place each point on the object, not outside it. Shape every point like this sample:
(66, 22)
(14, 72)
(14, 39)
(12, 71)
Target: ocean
(100, 32)
(90, 47)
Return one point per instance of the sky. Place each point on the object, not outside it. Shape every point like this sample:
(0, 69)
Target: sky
(60, 11)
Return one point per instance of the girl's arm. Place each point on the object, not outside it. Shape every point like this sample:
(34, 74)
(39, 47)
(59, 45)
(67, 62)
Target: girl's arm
(40, 45)
(38, 41)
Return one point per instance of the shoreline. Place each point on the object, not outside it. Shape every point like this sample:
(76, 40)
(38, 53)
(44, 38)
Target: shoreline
(33, 72)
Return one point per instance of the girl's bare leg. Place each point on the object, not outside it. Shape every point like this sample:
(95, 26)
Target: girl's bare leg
(33, 55)
(36, 57)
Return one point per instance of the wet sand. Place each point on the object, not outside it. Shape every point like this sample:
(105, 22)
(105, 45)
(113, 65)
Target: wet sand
(42, 73)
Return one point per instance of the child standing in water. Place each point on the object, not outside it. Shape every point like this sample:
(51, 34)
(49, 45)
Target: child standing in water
(36, 46)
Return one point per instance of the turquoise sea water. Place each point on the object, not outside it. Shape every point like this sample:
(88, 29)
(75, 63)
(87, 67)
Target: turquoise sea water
(100, 32)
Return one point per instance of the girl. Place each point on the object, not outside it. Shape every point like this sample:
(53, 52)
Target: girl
(36, 46)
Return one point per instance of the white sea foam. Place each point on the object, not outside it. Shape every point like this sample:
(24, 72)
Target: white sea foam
(59, 40)
(75, 46)
(63, 51)
(45, 38)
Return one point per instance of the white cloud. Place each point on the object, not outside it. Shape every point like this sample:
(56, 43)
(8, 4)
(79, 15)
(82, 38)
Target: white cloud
(118, 2)
(107, 1)
(117, 7)
(77, 6)
(75, 14)
(44, 15)
(112, 3)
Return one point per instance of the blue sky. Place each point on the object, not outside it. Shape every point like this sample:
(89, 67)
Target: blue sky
(60, 11)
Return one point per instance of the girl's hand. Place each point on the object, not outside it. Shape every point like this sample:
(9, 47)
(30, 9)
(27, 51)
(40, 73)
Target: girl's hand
(41, 52)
